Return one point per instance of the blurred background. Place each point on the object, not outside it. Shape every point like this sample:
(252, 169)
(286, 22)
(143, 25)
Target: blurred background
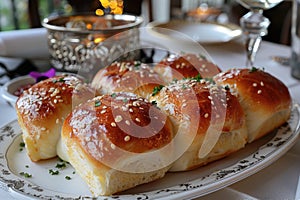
(25, 14)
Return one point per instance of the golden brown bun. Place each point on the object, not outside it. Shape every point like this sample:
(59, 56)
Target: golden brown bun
(185, 66)
(128, 76)
(265, 99)
(207, 117)
(118, 141)
(41, 111)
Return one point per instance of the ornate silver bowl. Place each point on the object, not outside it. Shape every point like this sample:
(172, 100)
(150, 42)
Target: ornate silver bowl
(74, 41)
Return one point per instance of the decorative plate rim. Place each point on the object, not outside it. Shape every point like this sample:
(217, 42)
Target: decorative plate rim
(285, 137)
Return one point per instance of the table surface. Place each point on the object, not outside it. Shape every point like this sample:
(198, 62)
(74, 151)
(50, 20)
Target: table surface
(279, 180)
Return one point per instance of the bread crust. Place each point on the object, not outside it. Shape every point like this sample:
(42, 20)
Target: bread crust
(129, 76)
(262, 96)
(41, 111)
(212, 112)
(186, 65)
(112, 133)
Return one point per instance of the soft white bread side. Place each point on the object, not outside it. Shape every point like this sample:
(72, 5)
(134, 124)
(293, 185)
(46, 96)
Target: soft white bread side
(135, 77)
(265, 99)
(118, 141)
(208, 117)
(185, 65)
(41, 111)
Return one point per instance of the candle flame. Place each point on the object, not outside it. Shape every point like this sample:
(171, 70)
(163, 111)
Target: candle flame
(115, 7)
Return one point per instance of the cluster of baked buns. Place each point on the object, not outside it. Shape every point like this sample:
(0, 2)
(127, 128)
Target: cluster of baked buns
(136, 122)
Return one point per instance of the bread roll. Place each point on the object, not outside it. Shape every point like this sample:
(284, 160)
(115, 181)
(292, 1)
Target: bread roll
(128, 76)
(265, 99)
(186, 65)
(210, 120)
(42, 109)
(118, 141)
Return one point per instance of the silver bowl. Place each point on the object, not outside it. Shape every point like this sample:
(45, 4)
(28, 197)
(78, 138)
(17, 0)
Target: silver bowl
(74, 40)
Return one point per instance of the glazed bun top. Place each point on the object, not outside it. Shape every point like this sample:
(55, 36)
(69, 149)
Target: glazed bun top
(178, 66)
(198, 98)
(51, 96)
(258, 88)
(111, 128)
(129, 76)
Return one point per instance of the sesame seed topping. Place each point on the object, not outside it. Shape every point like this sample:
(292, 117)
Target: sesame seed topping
(262, 83)
(206, 115)
(127, 122)
(137, 119)
(118, 118)
(103, 111)
(113, 146)
(43, 128)
(254, 84)
(126, 138)
(113, 124)
(259, 92)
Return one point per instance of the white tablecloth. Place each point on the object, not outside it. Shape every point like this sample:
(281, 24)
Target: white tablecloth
(278, 181)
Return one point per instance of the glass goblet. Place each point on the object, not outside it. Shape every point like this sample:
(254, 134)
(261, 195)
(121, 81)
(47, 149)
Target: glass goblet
(255, 25)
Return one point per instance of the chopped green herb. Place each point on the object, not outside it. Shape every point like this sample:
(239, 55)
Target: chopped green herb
(59, 80)
(68, 177)
(113, 95)
(125, 100)
(25, 174)
(22, 144)
(73, 172)
(97, 103)
(227, 87)
(157, 89)
(253, 69)
(53, 172)
(154, 103)
(27, 166)
(197, 78)
(61, 165)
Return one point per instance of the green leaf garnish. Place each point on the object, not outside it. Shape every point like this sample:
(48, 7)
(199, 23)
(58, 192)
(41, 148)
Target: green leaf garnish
(157, 89)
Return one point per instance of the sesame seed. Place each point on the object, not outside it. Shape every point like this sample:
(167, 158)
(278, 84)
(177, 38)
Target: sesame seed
(127, 122)
(259, 92)
(127, 138)
(113, 146)
(57, 121)
(118, 118)
(55, 100)
(206, 115)
(113, 124)
(262, 83)
(43, 128)
(103, 111)
(137, 119)
(130, 110)
(254, 84)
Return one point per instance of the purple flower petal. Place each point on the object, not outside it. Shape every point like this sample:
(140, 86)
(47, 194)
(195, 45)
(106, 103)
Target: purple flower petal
(40, 76)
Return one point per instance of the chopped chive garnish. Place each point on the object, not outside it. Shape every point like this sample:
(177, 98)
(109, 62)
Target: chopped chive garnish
(61, 165)
(68, 177)
(97, 103)
(53, 172)
(25, 174)
(113, 95)
(253, 69)
(157, 89)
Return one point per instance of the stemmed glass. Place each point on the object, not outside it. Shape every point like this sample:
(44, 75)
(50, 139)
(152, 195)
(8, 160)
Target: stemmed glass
(255, 25)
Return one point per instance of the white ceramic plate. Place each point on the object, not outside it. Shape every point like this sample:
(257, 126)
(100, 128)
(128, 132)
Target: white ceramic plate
(204, 33)
(185, 185)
